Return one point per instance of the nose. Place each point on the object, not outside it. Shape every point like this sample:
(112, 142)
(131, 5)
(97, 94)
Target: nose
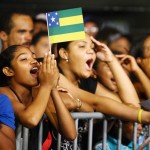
(29, 36)
(90, 50)
(34, 61)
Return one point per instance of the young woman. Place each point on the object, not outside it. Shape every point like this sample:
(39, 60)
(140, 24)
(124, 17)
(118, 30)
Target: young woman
(76, 59)
(19, 73)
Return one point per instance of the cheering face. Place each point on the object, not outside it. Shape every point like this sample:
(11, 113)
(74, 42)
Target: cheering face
(25, 68)
(106, 77)
(81, 56)
(122, 45)
(22, 30)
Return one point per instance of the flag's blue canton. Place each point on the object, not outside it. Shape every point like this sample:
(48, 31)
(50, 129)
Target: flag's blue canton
(53, 19)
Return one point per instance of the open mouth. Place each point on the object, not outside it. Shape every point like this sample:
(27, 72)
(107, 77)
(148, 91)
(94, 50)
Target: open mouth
(89, 64)
(34, 71)
(28, 44)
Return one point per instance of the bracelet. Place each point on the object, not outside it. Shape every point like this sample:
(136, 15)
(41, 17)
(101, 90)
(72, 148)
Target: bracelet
(140, 116)
(80, 103)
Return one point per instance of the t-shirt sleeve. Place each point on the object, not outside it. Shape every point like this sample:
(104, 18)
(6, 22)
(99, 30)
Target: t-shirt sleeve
(6, 112)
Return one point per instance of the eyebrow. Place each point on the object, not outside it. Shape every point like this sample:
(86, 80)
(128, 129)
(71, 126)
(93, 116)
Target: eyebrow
(21, 54)
(24, 53)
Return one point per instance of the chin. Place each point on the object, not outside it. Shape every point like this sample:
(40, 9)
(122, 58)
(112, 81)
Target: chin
(35, 84)
(115, 90)
(85, 76)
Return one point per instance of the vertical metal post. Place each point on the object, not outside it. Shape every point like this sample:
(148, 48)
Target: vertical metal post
(25, 138)
(119, 135)
(19, 139)
(90, 134)
(135, 136)
(76, 140)
(40, 136)
(59, 142)
(104, 134)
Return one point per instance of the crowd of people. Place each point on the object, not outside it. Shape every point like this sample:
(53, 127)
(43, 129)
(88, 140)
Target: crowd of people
(107, 72)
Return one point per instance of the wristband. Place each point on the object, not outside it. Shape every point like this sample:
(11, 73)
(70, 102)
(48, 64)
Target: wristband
(140, 116)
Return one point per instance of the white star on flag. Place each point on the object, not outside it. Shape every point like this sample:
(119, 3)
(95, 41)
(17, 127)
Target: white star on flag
(53, 19)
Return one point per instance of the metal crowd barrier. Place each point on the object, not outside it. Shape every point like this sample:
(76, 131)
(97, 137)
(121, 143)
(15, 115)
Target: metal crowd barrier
(22, 143)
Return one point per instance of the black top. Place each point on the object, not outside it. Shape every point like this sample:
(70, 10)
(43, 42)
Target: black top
(89, 85)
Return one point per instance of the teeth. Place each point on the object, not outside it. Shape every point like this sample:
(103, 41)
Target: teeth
(34, 70)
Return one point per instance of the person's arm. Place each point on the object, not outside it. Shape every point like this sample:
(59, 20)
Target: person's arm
(145, 65)
(64, 117)
(7, 136)
(72, 103)
(103, 91)
(126, 89)
(103, 104)
(59, 105)
(129, 63)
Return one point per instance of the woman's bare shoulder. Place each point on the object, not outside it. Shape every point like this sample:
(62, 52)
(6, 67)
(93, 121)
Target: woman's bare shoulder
(6, 90)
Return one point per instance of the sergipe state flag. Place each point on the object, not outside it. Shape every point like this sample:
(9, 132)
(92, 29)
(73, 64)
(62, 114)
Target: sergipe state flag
(65, 25)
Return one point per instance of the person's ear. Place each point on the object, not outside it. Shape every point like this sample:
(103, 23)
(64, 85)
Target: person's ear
(63, 54)
(3, 36)
(8, 71)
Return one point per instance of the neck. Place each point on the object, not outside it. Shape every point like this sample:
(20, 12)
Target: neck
(68, 74)
(4, 46)
(24, 94)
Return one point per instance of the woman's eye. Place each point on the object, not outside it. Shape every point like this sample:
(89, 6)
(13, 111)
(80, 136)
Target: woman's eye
(23, 59)
(81, 46)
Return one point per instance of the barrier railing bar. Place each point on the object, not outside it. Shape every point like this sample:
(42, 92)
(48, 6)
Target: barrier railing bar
(25, 138)
(40, 136)
(104, 134)
(59, 142)
(84, 115)
(119, 135)
(135, 136)
(22, 133)
(19, 139)
(76, 139)
(90, 134)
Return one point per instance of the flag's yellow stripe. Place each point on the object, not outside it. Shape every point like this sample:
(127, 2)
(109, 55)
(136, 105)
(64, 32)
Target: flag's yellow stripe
(67, 37)
(71, 20)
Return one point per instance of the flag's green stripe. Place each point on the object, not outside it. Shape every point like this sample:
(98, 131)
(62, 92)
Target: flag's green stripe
(66, 29)
(67, 37)
(69, 12)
